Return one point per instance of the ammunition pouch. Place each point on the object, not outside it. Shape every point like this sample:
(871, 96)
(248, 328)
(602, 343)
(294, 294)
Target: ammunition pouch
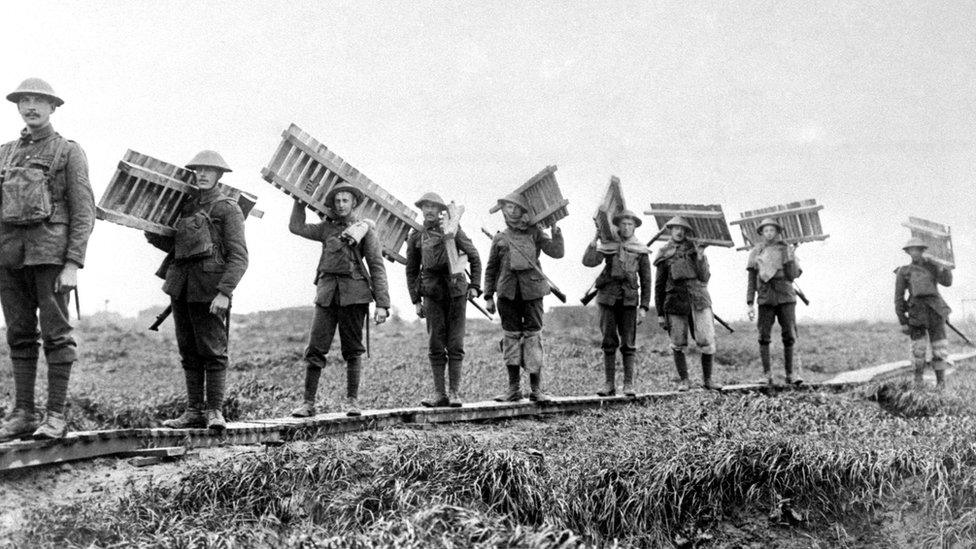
(26, 197)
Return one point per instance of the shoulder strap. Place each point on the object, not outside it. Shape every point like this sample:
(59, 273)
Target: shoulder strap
(59, 152)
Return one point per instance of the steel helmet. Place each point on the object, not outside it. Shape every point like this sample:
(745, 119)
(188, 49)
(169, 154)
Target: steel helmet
(915, 243)
(516, 199)
(678, 221)
(35, 86)
(343, 187)
(769, 221)
(623, 214)
(208, 159)
(431, 198)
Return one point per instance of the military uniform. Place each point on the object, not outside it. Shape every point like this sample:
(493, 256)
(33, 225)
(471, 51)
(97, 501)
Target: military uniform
(622, 287)
(444, 298)
(32, 257)
(208, 256)
(924, 312)
(771, 269)
(520, 288)
(344, 291)
(681, 296)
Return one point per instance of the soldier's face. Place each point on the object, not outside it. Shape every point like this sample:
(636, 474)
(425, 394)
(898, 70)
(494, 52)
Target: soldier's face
(343, 203)
(915, 253)
(35, 110)
(678, 233)
(207, 178)
(625, 227)
(770, 233)
(431, 211)
(513, 210)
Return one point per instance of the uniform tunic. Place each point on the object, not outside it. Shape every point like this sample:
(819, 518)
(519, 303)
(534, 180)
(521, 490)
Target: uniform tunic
(194, 277)
(622, 286)
(342, 290)
(32, 256)
(772, 282)
(444, 295)
(681, 294)
(510, 274)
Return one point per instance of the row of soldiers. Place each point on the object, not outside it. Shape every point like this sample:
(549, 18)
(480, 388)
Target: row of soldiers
(47, 215)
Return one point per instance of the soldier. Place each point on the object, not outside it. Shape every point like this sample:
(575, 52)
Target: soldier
(682, 301)
(623, 294)
(344, 290)
(772, 268)
(46, 218)
(924, 312)
(514, 273)
(205, 261)
(439, 296)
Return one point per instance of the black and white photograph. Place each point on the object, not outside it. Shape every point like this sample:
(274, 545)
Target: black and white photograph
(350, 274)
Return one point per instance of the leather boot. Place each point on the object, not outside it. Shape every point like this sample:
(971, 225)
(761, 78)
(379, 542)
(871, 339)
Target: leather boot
(706, 362)
(440, 396)
(535, 382)
(629, 375)
(681, 365)
(767, 363)
(793, 377)
(454, 382)
(514, 392)
(609, 374)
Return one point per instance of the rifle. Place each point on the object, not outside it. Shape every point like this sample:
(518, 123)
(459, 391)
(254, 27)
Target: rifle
(801, 295)
(535, 267)
(723, 323)
(475, 303)
(960, 334)
(160, 318)
(591, 293)
(77, 303)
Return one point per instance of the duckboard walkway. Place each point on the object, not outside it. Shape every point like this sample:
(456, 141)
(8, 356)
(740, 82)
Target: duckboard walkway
(83, 445)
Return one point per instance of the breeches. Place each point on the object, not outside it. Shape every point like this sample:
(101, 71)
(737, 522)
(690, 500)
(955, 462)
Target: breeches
(445, 328)
(200, 335)
(700, 324)
(349, 320)
(933, 333)
(26, 295)
(785, 313)
(618, 323)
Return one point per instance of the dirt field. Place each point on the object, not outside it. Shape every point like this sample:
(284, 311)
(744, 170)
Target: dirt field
(805, 470)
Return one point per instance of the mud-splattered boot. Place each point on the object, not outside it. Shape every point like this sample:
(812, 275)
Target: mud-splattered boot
(609, 375)
(767, 364)
(629, 375)
(439, 397)
(706, 363)
(681, 365)
(454, 382)
(307, 407)
(192, 417)
(514, 392)
(19, 423)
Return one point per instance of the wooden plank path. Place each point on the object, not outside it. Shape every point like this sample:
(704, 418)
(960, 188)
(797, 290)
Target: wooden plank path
(91, 444)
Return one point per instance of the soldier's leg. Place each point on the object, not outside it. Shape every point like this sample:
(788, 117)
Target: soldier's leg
(351, 318)
(919, 342)
(455, 347)
(767, 315)
(704, 334)
(210, 332)
(437, 327)
(611, 340)
(320, 336)
(193, 371)
(533, 354)
(19, 302)
(60, 349)
(786, 314)
(511, 347)
(678, 333)
(940, 348)
(627, 327)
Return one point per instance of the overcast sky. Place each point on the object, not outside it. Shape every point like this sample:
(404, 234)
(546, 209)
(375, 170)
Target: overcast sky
(867, 107)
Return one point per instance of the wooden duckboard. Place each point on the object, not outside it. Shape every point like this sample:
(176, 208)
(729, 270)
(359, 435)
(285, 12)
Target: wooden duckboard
(612, 204)
(937, 236)
(544, 197)
(708, 221)
(800, 221)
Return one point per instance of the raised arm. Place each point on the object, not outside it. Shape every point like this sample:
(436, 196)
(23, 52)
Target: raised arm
(553, 247)
(591, 257)
(297, 225)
